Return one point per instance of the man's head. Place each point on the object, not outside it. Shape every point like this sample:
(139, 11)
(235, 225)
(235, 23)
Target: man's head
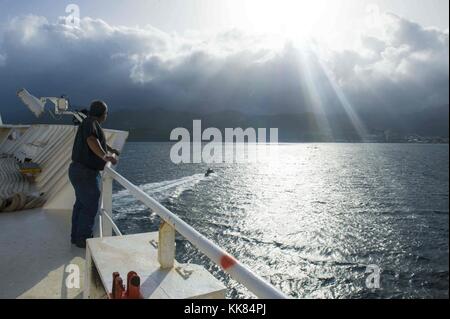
(99, 110)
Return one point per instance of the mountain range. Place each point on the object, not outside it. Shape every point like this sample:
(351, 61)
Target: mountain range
(156, 124)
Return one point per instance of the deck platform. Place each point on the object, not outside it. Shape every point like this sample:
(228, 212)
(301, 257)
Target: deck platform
(138, 253)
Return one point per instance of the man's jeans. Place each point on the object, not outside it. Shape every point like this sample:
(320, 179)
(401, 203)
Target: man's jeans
(87, 183)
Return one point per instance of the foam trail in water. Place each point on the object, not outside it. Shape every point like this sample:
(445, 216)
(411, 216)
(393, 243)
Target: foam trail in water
(160, 190)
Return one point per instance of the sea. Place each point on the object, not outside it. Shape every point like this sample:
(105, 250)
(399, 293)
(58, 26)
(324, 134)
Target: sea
(344, 221)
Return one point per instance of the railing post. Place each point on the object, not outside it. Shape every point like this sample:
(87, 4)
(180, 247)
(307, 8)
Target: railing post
(166, 246)
(107, 229)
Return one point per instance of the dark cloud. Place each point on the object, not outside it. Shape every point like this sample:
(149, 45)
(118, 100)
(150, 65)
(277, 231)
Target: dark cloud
(404, 69)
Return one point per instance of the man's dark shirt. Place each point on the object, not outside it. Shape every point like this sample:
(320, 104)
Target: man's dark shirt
(81, 152)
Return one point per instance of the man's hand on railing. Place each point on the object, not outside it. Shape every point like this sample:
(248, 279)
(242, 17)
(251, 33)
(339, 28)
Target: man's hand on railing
(114, 151)
(111, 158)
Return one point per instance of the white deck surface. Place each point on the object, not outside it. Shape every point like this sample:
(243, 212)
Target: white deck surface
(136, 253)
(35, 250)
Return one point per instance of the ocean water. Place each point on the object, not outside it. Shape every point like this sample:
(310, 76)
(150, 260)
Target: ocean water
(311, 221)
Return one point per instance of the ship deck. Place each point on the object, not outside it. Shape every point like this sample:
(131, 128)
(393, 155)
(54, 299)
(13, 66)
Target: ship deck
(36, 250)
(38, 258)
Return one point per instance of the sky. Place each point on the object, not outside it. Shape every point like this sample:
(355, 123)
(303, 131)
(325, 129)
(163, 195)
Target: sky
(333, 21)
(216, 15)
(255, 56)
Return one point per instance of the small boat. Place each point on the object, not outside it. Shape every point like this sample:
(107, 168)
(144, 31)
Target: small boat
(209, 172)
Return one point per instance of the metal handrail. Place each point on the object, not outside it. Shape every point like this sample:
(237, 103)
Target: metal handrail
(116, 229)
(219, 256)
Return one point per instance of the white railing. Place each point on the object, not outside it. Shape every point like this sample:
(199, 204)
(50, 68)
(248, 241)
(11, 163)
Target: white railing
(166, 245)
(105, 216)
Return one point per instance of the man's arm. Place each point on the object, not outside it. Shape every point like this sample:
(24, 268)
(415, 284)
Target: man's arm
(96, 147)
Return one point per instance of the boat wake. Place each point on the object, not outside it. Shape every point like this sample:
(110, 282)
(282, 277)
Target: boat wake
(159, 191)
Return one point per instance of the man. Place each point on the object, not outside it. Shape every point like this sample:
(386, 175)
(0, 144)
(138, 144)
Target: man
(89, 155)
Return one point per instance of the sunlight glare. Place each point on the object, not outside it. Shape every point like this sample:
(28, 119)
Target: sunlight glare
(295, 19)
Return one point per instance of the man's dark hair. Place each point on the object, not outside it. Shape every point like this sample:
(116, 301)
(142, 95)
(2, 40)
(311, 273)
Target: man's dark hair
(98, 108)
